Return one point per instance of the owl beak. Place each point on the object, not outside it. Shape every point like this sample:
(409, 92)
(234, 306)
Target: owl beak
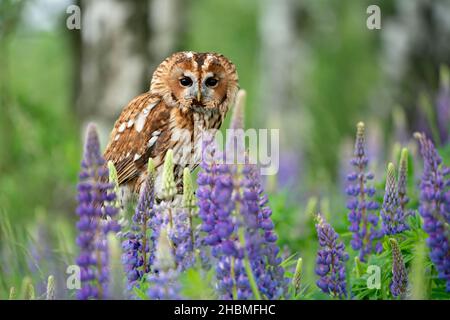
(199, 96)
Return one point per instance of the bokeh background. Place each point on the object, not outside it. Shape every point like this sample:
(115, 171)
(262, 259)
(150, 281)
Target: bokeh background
(311, 68)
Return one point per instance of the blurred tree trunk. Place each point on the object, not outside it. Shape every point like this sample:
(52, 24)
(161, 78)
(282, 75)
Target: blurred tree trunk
(280, 78)
(280, 51)
(119, 45)
(416, 41)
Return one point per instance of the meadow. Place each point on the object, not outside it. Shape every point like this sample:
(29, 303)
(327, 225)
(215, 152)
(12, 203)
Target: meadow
(221, 240)
(358, 210)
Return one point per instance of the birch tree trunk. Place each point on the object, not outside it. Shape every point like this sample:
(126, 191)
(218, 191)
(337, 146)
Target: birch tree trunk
(120, 44)
(416, 43)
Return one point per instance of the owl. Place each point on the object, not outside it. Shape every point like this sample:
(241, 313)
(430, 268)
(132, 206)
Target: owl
(189, 93)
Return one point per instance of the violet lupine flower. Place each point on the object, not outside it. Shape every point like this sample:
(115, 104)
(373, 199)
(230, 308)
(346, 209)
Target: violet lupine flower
(164, 280)
(136, 256)
(237, 220)
(288, 175)
(95, 212)
(262, 248)
(238, 228)
(435, 207)
(363, 222)
(182, 234)
(298, 275)
(402, 183)
(399, 283)
(215, 201)
(392, 215)
(181, 237)
(162, 217)
(177, 220)
(330, 261)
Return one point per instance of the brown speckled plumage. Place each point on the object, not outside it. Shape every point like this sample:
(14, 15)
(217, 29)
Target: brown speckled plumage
(171, 116)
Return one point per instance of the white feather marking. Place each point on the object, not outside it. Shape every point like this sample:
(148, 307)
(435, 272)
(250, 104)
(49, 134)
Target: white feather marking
(176, 135)
(156, 133)
(130, 123)
(140, 122)
(117, 137)
(137, 156)
(148, 108)
(122, 127)
(128, 154)
(152, 141)
(189, 54)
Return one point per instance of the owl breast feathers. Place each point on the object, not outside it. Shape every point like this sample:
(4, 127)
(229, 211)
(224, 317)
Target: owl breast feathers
(189, 93)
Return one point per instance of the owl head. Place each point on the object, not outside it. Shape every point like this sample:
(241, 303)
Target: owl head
(198, 81)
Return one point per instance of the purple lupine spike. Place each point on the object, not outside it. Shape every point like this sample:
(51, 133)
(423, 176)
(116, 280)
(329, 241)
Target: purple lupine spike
(330, 261)
(238, 228)
(182, 234)
(435, 206)
(95, 220)
(402, 180)
(399, 284)
(177, 220)
(262, 248)
(362, 216)
(164, 281)
(392, 215)
(216, 203)
(136, 257)
(181, 237)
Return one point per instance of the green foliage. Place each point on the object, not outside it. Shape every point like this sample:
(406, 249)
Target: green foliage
(40, 150)
(198, 284)
(336, 96)
(408, 241)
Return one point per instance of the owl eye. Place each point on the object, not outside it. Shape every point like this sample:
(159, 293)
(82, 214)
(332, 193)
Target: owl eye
(211, 82)
(186, 82)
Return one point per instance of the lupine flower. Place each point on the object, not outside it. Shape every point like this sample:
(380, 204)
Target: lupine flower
(50, 292)
(163, 215)
(399, 282)
(392, 215)
(168, 192)
(164, 281)
(177, 220)
(136, 256)
(435, 206)
(30, 293)
(95, 213)
(260, 238)
(12, 293)
(217, 201)
(181, 237)
(297, 278)
(288, 175)
(237, 224)
(182, 234)
(330, 261)
(402, 183)
(117, 203)
(169, 188)
(363, 220)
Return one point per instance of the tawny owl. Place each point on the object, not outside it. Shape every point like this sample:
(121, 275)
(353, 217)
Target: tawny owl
(190, 92)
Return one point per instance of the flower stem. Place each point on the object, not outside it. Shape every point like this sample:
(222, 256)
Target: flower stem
(233, 276)
(248, 268)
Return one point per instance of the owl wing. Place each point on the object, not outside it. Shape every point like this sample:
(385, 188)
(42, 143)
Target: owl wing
(139, 133)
